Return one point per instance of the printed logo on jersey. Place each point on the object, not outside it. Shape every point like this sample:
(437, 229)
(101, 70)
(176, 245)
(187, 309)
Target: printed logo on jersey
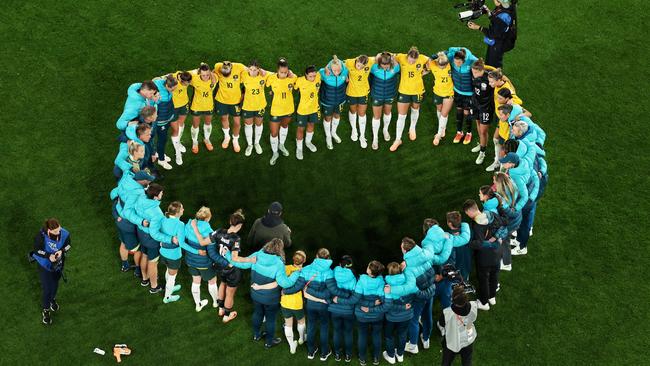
(366, 68)
(483, 86)
(317, 85)
(261, 82)
(235, 77)
(290, 86)
(418, 66)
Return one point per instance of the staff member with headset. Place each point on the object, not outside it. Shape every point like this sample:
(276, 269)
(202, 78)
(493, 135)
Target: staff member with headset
(50, 246)
(500, 36)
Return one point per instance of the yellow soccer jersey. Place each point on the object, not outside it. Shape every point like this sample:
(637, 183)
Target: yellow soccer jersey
(179, 95)
(293, 301)
(358, 85)
(443, 86)
(202, 100)
(229, 91)
(411, 82)
(282, 103)
(254, 97)
(508, 85)
(308, 94)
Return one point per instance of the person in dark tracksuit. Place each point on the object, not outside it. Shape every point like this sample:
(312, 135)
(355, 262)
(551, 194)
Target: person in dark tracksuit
(461, 253)
(342, 284)
(165, 105)
(50, 247)
(501, 35)
(368, 292)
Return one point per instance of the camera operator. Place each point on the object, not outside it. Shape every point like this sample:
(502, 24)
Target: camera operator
(50, 246)
(456, 324)
(500, 36)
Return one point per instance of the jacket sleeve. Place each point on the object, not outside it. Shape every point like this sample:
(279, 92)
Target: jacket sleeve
(497, 28)
(217, 258)
(352, 300)
(240, 265)
(334, 289)
(129, 212)
(321, 294)
(444, 254)
(39, 245)
(125, 118)
(183, 244)
(282, 279)
(155, 229)
(426, 294)
(251, 234)
(121, 158)
(386, 304)
(462, 238)
(522, 194)
(535, 190)
(286, 238)
(297, 287)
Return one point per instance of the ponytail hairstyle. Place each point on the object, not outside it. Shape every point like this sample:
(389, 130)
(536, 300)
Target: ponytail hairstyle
(496, 74)
(275, 247)
(385, 58)
(133, 147)
(413, 52)
(479, 65)
(428, 223)
(282, 62)
(505, 188)
(362, 59)
(153, 190)
(442, 59)
(170, 81)
(460, 55)
(505, 93)
(323, 253)
(237, 218)
(173, 209)
(487, 191)
(335, 63)
(394, 268)
(204, 67)
(51, 224)
(346, 262)
(203, 213)
(185, 77)
(299, 258)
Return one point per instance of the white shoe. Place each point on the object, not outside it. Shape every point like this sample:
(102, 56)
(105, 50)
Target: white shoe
(299, 154)
(519, 251)
(165, 165)
(302, 340)
(411, 348)
(167, 159)
(354, 136)
(480, 158)
(514, 243)
(390, 360)
(476, 148)
(363, 143)
(399, 358)
(498, 287)
(530, 233)
(258, 149)
(181, 147)
(283, 150)
(311, 147)
(201, 305)
(492, 301)
(292, 347)
(386, 135)
(328, 140)
(179, 159)
(375, 145)
(493, 166)
(482, 306)
(249, 150)
(274, 158)
(336, 138)
(506, 267)
(425, 344)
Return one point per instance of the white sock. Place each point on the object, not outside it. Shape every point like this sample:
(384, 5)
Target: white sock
(376, 123)
(438, 113)
(176, 141)
(301, 330)
(180, 131)
(415, 113)
(235, 139)
(335, 124)
(442, 124)
(299, 144)
(258, 133)
(497, 149)
(308, 137)
(207, 131)
(213, 289)
(328, 129)
(283, 134)
(274, 144)
(387, 118)
(288, 332)
(226, 133)
(194, 132)
(169, 284)
(401, 121)
(248, 131)
(196, 293)
(353, 120)
(362, 126)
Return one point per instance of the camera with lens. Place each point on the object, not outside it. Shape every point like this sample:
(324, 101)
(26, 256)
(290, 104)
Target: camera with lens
(450, 273)
(473, 10)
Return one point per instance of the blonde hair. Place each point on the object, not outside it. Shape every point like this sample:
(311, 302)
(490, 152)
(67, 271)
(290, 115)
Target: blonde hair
(505, 188)
(323, 253)
(133, 147)
(496, 74)
(276, 247)
(442, 59)
(203, 213)
(299, 257)
(336, 62)
(413, 52)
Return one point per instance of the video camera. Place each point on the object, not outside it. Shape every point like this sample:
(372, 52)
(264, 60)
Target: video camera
(473, 10)
(453, 275)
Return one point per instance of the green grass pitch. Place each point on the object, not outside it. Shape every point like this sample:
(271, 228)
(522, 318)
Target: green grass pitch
(578, 298)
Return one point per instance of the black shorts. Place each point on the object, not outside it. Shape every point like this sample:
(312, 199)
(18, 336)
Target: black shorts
(483, 116)
(463, 101)
(231, 276)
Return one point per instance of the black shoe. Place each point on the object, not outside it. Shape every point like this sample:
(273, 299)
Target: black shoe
(275, 342)
(137, 272)
(54, 306)
(47, 317)
(145, 283)
(155, 290)
(348, 358)
(125, 267)
(375, 361)
(312, 354)
(337, 357)
(262, 335)
(326, 356)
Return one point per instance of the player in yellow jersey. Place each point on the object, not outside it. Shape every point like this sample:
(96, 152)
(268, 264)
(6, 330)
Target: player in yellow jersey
(181, 108)
(443, 92)
(204, 83)
(254, 81)
(308, 109)
(357, 94)
(411, 90)
(282, 108)
(498, 81)
(228, 100)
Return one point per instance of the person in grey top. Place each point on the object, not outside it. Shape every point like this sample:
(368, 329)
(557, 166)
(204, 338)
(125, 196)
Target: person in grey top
(268, 227)
(456, 326)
